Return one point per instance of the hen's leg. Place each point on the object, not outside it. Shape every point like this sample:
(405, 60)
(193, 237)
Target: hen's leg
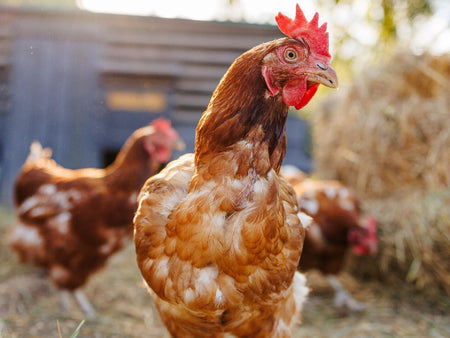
(64, 301)
(84, 303)
(342, 299)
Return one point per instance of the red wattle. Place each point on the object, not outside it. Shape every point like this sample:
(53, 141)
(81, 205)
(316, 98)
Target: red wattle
(297, 94)
(308, 96)
(293, 92)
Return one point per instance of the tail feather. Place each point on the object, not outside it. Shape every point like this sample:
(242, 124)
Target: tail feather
(37, 152)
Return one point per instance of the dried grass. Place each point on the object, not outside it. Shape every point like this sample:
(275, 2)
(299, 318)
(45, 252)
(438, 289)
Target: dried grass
(388, 137)
(29, 305)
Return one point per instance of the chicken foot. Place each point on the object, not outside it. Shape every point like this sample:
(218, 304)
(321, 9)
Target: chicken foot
(81, 299)
(342, 298)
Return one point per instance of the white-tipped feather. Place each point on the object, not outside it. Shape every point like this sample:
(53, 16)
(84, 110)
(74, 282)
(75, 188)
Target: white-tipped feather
(37, 152)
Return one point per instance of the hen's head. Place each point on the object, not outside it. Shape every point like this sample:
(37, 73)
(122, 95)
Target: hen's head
(364, 240)
(299, 63)
(161, 140)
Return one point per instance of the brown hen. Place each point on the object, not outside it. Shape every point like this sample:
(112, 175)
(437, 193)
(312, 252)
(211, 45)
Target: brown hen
(217, 235)
(336, 227)
(71, 221)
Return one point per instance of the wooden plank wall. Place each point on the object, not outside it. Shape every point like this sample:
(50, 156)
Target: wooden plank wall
(52, 83)
(5, 61)
(194, 55)
(5, 39)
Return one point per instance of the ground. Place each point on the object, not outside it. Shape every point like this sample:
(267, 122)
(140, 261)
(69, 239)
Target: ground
(29, 305)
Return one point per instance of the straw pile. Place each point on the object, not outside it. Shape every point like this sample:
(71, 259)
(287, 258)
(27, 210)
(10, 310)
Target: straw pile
(388, 137)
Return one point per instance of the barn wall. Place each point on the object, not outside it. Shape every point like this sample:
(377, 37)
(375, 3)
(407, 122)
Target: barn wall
(52, 84)
(81, 83)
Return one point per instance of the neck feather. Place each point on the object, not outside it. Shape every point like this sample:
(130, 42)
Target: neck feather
(241, 111)
(131, 167)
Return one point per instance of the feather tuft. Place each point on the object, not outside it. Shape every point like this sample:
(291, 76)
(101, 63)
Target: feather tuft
(37, 152)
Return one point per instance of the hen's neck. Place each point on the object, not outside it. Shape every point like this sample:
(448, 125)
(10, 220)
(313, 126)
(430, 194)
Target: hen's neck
(131, 167)
(241, 118)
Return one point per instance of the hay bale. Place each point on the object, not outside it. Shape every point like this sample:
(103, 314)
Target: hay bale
(388, 137)
(414, 237)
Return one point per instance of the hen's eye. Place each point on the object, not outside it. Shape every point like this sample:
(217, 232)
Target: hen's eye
(290, 55)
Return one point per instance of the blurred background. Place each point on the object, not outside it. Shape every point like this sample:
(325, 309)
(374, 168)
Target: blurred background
(80, 75)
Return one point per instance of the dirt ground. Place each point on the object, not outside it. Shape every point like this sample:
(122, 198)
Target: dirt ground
(29, 305)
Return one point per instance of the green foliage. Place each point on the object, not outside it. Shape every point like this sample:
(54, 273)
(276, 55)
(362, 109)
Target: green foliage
(75, 333)
(77, 330)
(366, 32)
(388, 24)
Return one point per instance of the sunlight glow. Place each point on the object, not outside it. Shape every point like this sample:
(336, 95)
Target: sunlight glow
(168, 9)
(255, 11)
(431, 34)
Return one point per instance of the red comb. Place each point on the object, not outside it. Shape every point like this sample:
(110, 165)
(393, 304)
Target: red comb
(316, 36)
(161, 123)
(371, 224)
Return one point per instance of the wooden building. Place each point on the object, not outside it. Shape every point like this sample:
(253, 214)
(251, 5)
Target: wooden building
(81, 83)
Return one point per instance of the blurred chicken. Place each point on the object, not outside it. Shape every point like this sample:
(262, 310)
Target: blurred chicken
(71, 221)
(217, 235)
(335, 227)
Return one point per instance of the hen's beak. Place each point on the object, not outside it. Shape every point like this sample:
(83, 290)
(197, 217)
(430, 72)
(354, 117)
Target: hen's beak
(324, 75)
